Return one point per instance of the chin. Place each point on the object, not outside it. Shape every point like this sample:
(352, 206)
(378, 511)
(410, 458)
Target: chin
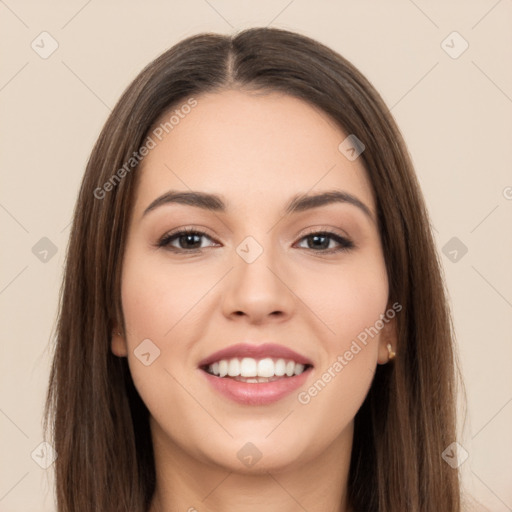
(257, 454)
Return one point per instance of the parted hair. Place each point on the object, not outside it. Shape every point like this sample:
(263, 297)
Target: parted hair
(94, 417)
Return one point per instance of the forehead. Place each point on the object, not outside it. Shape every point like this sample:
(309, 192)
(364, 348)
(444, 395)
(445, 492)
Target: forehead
(249, 147)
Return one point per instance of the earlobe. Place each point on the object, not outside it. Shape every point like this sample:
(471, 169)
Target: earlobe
(118, 344)
(387, 342)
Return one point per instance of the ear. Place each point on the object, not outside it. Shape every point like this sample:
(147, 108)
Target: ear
(118, 343)
(388, 335)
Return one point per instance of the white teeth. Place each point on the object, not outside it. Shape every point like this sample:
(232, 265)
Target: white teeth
(234, 368)
(251, 369)
(266, 368)
(280, 367)
(223, 368)
(248, 367)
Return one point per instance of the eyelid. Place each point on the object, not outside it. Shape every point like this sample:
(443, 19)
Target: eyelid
(345, 242)
(311, 230)
(322, 229)
(191, 228)
(200, 230)
(340, 237)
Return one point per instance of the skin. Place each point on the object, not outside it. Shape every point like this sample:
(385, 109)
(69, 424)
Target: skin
(257, 151)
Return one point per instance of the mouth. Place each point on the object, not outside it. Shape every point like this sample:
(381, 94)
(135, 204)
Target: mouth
(256, 374)
(255, 371)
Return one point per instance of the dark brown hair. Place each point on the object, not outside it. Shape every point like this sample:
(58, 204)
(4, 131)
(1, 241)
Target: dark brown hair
(99, 424)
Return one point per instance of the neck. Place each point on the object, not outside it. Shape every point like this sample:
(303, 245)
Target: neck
(187, 484)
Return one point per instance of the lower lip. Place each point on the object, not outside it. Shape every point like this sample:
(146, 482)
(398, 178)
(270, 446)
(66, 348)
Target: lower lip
(261, 393)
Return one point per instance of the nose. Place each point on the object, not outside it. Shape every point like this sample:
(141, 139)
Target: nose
(259, 291)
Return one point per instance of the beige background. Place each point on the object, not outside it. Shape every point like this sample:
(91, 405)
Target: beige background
(455, 114)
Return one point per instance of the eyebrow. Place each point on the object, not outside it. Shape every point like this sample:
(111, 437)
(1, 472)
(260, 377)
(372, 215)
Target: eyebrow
(298, 203)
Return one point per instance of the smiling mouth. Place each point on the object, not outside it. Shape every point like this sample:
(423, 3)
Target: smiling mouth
(254, 371)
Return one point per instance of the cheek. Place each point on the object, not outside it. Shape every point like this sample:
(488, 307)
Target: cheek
(344, 376)
(158, 304)
(348, 299)
(156, 297)
(350, 308)
(162, 303)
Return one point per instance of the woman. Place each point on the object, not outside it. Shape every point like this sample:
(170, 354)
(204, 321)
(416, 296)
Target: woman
(253, 315)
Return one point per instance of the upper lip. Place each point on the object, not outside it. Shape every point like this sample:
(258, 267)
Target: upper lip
(257, 352)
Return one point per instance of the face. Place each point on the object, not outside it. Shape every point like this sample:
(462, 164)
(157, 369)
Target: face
(256, 274)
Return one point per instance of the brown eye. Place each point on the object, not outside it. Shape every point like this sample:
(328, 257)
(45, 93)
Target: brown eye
(320, 242)
(187, 240)
(190, 240)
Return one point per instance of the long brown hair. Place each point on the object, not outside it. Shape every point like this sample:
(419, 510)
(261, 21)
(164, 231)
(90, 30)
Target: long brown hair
(99, 423)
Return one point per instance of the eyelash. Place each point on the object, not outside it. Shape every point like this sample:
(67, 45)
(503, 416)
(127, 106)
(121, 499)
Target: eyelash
(164, 242)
